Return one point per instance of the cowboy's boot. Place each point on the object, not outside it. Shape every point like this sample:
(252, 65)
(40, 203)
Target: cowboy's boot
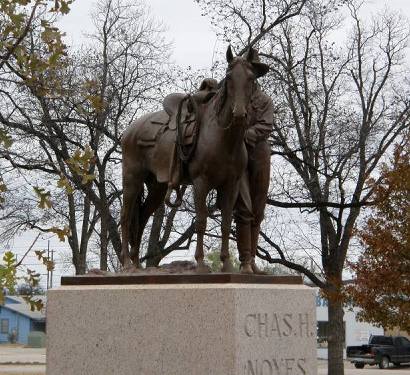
(243, 240)
(256, 270)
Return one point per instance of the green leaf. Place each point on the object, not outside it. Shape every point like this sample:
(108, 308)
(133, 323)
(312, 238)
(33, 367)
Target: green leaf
(5, 139)
(9, 259)
(8, 272)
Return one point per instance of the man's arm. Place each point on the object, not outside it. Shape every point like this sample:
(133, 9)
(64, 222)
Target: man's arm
(262, 127)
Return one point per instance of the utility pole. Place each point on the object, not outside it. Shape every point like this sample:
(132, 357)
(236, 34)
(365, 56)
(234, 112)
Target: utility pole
(48, 257)
(52, 270)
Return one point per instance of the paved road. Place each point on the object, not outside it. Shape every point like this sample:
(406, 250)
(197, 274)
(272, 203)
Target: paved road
(371, 371)
(349, 370)
(368, 370)
(18, 355)
(22, 369)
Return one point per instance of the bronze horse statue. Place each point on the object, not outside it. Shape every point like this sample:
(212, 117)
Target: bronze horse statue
(218, 162)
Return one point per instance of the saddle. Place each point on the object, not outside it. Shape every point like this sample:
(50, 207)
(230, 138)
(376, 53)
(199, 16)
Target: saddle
(166, 120)
(176, 127)
(175, 105)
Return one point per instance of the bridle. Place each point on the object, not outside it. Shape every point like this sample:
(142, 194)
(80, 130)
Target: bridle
(222, 94)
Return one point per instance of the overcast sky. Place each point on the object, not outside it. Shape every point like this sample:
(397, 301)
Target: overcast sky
(191, 33)
(193, 44)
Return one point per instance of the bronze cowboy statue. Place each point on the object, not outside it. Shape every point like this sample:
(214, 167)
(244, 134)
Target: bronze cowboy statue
(214, 139)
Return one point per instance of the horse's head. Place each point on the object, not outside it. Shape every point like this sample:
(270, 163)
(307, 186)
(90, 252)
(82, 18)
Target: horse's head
(240, 79)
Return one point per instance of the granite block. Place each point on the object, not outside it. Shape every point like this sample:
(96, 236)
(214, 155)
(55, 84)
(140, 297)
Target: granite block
(193, 329)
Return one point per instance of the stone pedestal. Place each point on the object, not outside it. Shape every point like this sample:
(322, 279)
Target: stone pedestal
(181, 329)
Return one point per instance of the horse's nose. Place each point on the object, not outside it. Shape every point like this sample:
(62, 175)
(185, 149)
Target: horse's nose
(240, 113)
(240, 119)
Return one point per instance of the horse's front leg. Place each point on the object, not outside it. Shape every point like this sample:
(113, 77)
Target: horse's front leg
(228, 195)
(130, 194)
(125, 255)
(201, 189)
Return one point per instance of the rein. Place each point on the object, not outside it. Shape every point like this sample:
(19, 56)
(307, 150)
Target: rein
(222, 97)
(186, 155)
(180, 153)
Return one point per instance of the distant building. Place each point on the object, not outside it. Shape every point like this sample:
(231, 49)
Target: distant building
(397, 332)
(17, 318)
(355, 333)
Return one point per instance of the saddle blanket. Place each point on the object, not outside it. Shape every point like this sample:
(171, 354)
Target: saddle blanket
(154, 125)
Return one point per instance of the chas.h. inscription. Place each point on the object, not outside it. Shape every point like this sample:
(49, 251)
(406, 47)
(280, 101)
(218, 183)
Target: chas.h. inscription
(265, 325)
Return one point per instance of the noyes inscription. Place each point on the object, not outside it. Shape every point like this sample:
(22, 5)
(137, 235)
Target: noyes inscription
(272, 327)
(276, 366)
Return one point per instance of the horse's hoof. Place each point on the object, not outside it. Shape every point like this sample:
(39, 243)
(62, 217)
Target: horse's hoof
(127, 263)
(227, 267)
(202, 268)
(246, 268)
(129, 268)
(257, 271)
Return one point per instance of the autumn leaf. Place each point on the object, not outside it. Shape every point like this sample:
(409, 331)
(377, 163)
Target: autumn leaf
(35, 304)
(3, 189)
(61, 233)
(65, 184)
(44, 197)
(81, 163)
(382, 285)
(44, 259)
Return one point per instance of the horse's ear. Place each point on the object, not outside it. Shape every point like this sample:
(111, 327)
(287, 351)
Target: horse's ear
(229, 54)
(251, 54)
(260, 69)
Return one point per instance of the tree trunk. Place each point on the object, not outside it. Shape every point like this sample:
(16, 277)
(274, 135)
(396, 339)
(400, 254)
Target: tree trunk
(104, 244)
(80, 266)
(153, 252)
(79, 260)
(335, 337)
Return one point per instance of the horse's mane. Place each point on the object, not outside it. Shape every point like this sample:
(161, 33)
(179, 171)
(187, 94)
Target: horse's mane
(220, 97)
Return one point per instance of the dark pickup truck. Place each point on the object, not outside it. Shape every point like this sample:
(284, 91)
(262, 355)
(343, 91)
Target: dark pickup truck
(381, 350)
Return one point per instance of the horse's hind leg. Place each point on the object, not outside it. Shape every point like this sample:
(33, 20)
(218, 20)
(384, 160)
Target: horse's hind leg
(132, 188)
(155, 197)
(201, 190)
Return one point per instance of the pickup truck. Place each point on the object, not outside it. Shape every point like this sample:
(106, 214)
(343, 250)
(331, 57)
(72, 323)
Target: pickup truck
(381, 350)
